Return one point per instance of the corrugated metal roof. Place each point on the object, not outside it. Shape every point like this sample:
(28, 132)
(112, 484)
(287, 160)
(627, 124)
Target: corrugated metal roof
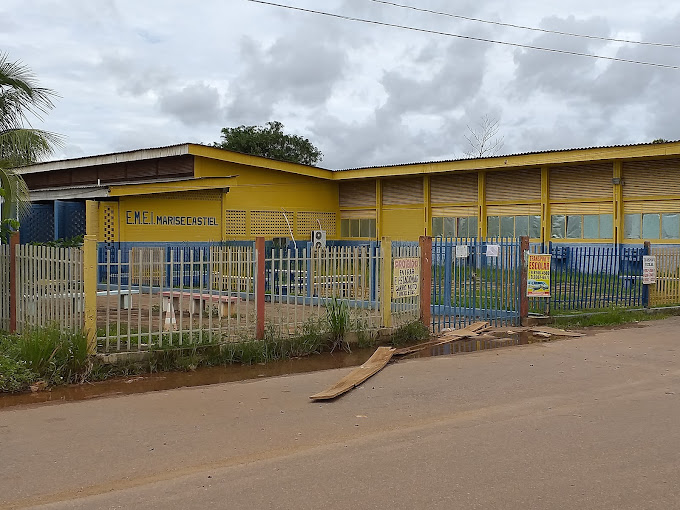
(503, 156)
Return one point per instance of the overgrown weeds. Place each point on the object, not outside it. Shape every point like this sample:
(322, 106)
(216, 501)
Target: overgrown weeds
(338, 319)
(410, 333)
(612, 317)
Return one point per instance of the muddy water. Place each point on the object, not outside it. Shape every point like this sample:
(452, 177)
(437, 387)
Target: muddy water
(216, 375)
(202, 376)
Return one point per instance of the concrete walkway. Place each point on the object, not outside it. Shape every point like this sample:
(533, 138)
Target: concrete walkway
(590, 422)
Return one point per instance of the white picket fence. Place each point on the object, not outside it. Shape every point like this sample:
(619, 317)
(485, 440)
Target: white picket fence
(49, 287)
(4, 286)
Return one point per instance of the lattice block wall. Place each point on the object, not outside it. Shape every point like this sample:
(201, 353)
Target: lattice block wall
(270, 223)
(38, 225)
(308, 221)
(235, 223)
(109, 226)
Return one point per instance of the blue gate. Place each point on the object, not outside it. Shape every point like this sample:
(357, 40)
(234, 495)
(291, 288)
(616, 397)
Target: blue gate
(473, 280)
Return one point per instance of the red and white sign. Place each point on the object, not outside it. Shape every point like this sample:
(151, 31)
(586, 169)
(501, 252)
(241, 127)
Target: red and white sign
(648, 270)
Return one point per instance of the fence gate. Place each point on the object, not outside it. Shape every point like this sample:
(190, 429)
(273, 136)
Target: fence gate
(475, 279)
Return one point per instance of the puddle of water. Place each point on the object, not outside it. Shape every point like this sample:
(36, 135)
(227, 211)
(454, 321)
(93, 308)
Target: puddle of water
(492, 341)
(201, 377)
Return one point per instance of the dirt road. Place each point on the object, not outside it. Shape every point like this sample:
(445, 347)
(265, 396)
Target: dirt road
(589, 422)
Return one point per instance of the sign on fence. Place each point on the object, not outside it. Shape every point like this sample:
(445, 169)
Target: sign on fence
(538, 275)
(648, 270)
(406, 277)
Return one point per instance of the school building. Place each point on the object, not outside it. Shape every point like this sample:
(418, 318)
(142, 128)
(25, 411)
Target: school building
(195, 193)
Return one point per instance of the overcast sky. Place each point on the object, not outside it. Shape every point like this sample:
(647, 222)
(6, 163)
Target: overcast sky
(136, 74)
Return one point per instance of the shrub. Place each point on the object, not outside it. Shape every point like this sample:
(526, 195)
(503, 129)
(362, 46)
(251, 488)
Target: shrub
(410, 333)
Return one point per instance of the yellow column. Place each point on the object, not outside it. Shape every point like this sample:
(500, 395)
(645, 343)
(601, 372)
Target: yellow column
(481, 203)
(386, 283)
(378, 208)
(427, 206)
(90, 273)
(545, 205)
(618, 201)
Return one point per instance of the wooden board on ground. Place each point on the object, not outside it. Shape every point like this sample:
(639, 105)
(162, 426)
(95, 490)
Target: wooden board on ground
(555, 331)
(372, 366)
(445, 338)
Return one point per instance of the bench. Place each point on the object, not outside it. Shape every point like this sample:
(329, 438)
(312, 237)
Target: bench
(198, 302)
(124, 296)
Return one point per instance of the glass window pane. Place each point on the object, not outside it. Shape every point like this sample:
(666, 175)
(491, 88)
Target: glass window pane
(462, 227)
(364, 228)
(650, 226)
(606, 226)
(472, 226)
(670, 226)
(372, 230)
(535, 227)
(631, 226)
(574, 226)
(507, 226)
(450, 227)
(557, 227)
(591, 226)
(493, 226)
(437, 226)
(344, 228)
(521, 226)
(354, 228)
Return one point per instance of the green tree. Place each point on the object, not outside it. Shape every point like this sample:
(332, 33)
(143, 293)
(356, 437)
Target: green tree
(20, 144)
(270, 141)
(660, 140)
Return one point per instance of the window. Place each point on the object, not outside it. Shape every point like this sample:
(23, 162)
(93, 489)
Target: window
(582, 226)
(364, 227)
(513, 226)
(449, 226)
(652, 226)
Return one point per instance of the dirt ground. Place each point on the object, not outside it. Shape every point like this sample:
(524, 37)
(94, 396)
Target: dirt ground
(587, 422)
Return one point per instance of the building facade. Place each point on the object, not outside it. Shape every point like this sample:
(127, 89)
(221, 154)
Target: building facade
(193, 193)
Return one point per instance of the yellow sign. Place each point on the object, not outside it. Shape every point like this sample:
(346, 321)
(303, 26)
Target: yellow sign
(406, 277)
(538, 275)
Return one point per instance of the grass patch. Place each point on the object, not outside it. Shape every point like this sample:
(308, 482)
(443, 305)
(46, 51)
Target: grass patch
(410, 333)
(612, 317)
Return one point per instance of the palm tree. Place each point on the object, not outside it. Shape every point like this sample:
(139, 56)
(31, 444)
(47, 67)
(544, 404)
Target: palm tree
(20, 143)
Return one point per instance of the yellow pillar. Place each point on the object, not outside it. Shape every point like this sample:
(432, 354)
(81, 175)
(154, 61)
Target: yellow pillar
(546, 222)
(618, 201)
(386, 283)
(481, 203)
(90, 273)
(378, 208)
(427, 206)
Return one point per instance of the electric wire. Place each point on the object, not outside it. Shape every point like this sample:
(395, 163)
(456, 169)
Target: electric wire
(522, 27)
(468, 37)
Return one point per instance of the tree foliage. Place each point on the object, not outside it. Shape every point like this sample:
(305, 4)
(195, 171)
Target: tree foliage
(20, 144)
(483, 140)
(660, 140)
(270, 141)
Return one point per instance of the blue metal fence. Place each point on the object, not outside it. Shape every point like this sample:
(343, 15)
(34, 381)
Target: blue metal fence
(475, 279)
(593, 277)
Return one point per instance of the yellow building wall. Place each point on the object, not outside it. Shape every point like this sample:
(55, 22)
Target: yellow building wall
(403, 224)
(270, 199)
(164, 218)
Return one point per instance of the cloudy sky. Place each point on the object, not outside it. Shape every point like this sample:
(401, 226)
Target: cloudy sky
(135, 74)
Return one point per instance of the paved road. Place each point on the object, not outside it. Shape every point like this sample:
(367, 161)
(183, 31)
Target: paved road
(590, 422)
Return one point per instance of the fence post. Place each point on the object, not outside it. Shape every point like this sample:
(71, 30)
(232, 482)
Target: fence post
(386, 282)
(425, 280)
(90, 273)
(259, 288)
(524, 266)
(646, 288)
(13, 298)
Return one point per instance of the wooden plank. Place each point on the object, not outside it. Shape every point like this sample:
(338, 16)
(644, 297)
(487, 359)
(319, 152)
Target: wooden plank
(372, 366)
(555, 331)
(445, 338)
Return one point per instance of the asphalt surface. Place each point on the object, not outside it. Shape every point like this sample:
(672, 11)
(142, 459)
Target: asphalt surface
(590, 422)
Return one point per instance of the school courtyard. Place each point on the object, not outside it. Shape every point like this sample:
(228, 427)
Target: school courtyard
(586, 422)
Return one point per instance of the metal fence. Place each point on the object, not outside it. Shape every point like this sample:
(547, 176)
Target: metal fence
(49, 287)
(475, 279)
(195, 296)
(405, 309)
(667, 288)
(592, 277)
